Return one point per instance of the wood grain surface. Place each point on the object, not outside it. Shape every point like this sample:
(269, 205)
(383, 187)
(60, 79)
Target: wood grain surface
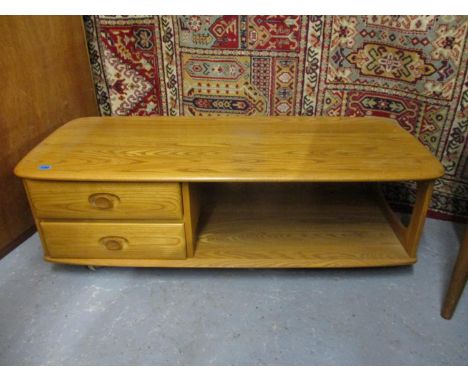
(328, 225)
(114, 240)
(46, 81)
(284, 226)
(98, 200)
(191, 198)
(409, 235)
(185, 149)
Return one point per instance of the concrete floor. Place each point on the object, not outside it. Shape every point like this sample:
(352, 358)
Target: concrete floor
(64, 315)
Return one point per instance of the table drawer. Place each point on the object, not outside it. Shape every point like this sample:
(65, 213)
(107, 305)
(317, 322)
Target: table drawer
(105, 200)
(102, 240)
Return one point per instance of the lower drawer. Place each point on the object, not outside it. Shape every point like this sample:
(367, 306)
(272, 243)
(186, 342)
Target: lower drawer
(102, 240)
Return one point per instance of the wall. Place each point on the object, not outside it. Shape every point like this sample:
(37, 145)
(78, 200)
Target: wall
(45, 81)
(409, 68)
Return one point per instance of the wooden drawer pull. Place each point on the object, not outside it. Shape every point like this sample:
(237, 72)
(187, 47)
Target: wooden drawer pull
(114, 243)
(103, 201)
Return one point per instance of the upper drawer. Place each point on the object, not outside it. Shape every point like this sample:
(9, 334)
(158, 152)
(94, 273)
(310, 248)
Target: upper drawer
(105, 200)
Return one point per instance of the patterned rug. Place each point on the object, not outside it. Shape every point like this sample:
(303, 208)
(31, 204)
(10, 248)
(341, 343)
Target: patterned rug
(409, 68)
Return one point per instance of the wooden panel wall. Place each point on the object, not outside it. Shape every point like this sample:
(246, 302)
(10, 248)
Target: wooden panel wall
(45, 81)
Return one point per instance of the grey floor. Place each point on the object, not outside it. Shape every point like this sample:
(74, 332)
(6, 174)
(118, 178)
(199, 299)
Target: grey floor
(64, 315)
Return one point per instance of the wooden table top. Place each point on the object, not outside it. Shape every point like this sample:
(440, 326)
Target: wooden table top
(276, 149)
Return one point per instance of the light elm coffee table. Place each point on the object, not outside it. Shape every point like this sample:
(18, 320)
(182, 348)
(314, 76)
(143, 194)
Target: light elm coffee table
(256, 192)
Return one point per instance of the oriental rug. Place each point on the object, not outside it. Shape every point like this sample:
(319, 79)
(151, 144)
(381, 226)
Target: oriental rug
(412, 69)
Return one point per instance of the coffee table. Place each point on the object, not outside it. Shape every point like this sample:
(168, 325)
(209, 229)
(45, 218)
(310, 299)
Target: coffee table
(256, 192)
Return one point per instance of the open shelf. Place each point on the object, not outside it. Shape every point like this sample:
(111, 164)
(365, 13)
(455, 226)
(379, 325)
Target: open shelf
(294, 225)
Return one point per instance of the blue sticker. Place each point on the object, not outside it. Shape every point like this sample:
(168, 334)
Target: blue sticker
(45, 167)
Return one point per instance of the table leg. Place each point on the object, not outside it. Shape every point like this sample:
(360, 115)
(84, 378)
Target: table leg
(458, 280)
(418, 216)
(409, 235)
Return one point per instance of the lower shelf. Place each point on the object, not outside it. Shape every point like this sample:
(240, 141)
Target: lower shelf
(285, 226)
(296, 225)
